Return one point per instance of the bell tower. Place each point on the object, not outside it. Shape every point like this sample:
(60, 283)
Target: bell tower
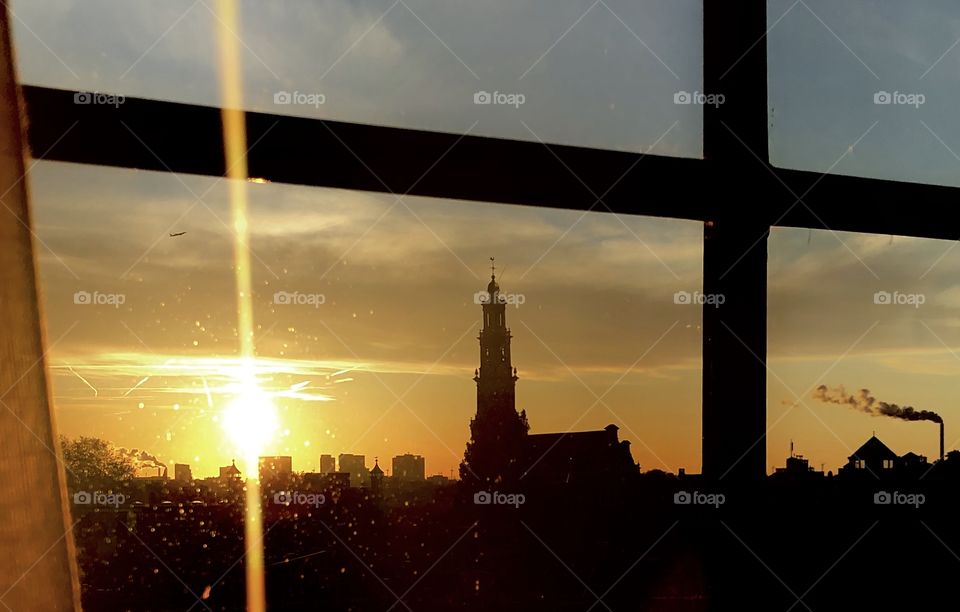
(496, 378)
(498, 432)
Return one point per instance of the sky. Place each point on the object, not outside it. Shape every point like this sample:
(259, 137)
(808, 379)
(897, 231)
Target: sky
(387, 314)
(591, 73)
(825, 327)
(397, 278)
(826, 62)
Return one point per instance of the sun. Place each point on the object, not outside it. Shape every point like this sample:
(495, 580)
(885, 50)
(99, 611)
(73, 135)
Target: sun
(250, 420)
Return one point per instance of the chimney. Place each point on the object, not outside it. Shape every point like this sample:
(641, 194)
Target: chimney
(941, 440)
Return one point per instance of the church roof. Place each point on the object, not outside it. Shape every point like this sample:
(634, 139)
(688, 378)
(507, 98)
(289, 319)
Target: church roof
(873, 450)
(571, 439)
(601, 437)
(230, 469)
(576, 455)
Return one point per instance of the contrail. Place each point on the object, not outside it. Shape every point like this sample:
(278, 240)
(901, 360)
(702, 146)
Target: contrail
(131, 389)
(85, 381)
(206, 390)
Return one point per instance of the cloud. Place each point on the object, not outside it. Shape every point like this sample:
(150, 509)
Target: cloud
(416, 65)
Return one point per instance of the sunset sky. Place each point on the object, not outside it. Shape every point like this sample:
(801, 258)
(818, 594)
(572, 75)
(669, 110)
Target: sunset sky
(398, 319)
(398, 278)
(398, 283)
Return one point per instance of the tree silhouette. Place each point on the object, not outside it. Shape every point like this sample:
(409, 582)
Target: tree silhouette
(95, 463)
(496, 449)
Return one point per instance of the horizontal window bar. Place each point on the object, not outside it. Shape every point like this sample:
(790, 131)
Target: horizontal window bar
(167, 136)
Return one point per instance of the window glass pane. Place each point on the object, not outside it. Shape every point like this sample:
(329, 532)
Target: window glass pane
(860, 311)
(368, 311)
(865, 88)
(598, 74)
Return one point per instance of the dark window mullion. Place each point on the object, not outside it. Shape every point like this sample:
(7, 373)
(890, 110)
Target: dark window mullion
(735, 246)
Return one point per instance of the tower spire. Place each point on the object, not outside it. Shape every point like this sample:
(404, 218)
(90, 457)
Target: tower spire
(496, 448)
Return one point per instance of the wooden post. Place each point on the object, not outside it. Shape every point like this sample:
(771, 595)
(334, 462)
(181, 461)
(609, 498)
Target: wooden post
(37, 563)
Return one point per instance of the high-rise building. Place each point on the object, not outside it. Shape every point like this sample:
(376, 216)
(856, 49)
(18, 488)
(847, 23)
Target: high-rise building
(328, 464)
(331, 482)
(408, 468)
(355, 465)
(275, 467)
(182, 473)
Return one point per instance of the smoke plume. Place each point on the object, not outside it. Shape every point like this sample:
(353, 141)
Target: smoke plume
(143, 459)
(862, 400)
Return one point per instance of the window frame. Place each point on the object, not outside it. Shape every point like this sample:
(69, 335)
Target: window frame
(734, 190)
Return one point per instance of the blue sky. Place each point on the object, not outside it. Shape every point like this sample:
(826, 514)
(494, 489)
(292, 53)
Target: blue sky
(600, 74)
(828, 59)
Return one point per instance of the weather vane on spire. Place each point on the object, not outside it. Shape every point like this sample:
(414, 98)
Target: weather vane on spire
(493, 267)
